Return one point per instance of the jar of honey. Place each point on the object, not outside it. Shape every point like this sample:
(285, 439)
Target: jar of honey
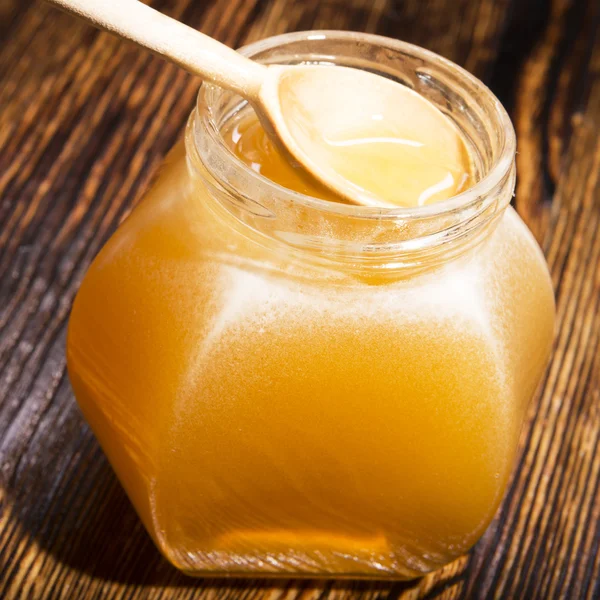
(291, 385)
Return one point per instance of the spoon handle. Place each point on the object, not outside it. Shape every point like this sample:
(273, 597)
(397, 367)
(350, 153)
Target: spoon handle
(170, 39)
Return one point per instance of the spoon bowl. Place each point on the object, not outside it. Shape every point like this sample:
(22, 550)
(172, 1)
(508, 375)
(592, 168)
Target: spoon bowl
(371, 140)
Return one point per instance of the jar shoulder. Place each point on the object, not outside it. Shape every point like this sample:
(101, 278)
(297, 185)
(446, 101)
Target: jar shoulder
(174, 246)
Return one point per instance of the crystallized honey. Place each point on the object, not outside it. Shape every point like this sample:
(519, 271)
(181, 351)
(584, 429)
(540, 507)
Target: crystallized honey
(276, 421)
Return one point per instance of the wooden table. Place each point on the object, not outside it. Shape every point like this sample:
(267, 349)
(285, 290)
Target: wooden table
(86, 119)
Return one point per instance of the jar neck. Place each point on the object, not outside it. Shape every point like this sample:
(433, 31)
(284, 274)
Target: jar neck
(362, 237)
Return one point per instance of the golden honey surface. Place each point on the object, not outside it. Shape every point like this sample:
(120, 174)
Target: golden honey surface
(407, 156)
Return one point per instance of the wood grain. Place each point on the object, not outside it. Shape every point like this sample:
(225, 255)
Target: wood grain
(85, 120)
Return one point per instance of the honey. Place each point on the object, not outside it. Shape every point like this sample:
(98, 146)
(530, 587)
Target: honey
(253, 416)
(413, 158)
(273, 405)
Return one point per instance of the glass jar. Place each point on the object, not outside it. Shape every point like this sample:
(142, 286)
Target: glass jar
(286, 385)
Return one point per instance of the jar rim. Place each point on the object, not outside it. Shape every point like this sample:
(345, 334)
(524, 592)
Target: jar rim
(497, 172)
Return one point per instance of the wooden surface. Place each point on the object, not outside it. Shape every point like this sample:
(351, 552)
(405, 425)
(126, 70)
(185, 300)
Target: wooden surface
(84, 121)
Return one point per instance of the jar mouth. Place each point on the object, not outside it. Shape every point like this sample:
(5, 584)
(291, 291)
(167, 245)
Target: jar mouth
(495, 173)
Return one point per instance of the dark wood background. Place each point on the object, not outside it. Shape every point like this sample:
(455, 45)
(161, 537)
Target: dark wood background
(84, 121)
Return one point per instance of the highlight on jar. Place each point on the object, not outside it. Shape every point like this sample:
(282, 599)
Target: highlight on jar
(310, 348)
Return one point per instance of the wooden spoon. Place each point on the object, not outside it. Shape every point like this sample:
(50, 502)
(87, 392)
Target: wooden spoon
(294, 103)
